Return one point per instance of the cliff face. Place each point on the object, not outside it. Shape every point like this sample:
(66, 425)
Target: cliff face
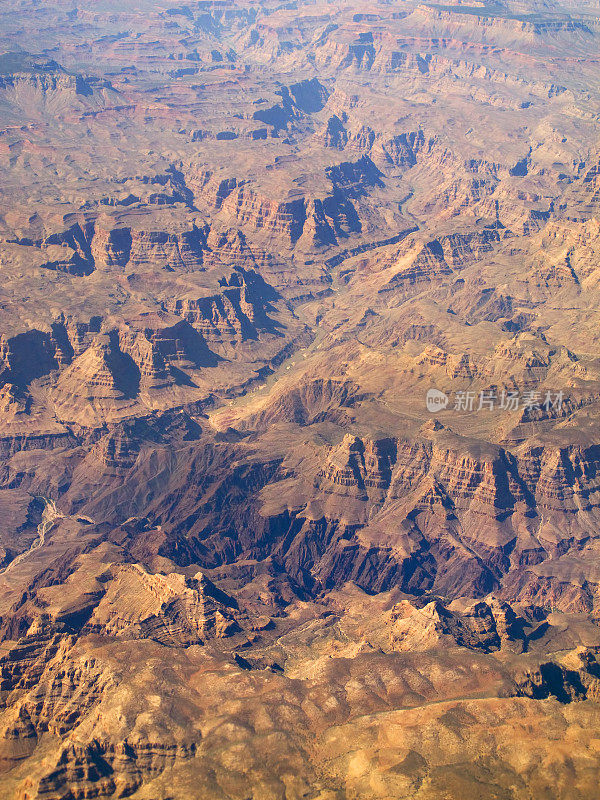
(45, 88)
(424, 515)
(237, 312)
(466, 524)
(123, 247)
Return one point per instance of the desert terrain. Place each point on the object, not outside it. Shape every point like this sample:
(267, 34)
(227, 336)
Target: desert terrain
(299, 400)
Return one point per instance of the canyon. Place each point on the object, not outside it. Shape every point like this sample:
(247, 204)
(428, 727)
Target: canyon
(299, 400)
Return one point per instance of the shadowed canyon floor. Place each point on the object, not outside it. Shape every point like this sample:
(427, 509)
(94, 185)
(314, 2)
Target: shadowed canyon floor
(240, 242)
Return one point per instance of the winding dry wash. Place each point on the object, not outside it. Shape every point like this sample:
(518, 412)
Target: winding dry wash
(299, 400)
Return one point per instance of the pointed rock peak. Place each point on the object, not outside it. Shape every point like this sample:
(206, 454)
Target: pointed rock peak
(206, 587)
(478, 609)
(435, 610)
(353, 443)
(14, 400)
(431, 426)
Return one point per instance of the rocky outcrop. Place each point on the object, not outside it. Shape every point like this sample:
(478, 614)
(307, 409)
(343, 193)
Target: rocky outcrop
(166, 608)
(14, 403)
(107, 769)
(561, 682)
(236, 313)
(481, 626)
(105, 242)
(26, 356)
(64, 691)
(252, 211)
(425, 263)
(51, 88)
(314, 401)
(102, 371)
(420, 262)
(360, 467)
(118, 450)
(304, 97)
(125, 246)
